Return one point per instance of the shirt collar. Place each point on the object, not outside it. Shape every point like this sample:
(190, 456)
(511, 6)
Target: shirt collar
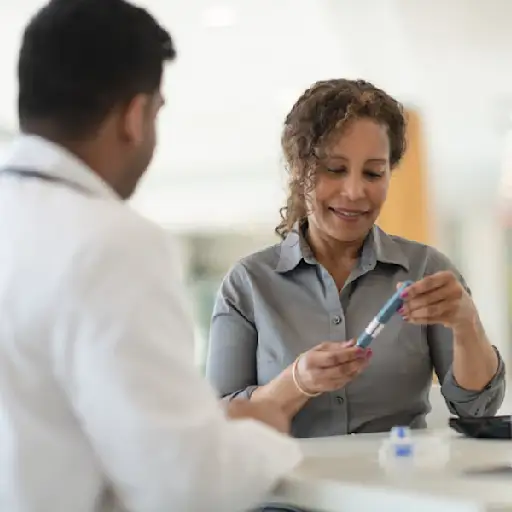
(34, 153)
(378, 247)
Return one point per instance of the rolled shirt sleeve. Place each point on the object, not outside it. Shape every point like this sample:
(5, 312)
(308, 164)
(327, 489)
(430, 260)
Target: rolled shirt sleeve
(460, 401)
(475, 403)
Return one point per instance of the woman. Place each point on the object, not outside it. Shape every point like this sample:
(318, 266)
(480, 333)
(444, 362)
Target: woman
(282, 315)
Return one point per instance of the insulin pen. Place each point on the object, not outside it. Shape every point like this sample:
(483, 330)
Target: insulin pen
(383, 316)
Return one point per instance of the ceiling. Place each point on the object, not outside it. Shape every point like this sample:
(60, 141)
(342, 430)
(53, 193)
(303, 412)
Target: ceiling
(242, 64)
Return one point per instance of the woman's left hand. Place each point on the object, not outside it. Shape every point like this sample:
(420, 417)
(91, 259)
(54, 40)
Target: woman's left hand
(438, 299)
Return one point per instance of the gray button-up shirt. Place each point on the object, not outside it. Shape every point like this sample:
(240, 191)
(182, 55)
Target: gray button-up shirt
(280, 302)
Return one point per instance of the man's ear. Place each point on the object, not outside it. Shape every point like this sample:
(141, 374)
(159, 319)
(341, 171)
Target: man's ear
(134, 119)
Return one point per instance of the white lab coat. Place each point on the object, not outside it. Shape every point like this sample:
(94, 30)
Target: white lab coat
(101, 407)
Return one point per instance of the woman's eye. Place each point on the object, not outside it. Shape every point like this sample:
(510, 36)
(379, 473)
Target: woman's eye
(371, 175)
(336, 170)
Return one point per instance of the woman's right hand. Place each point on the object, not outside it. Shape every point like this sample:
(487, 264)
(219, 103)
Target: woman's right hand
(331, 365)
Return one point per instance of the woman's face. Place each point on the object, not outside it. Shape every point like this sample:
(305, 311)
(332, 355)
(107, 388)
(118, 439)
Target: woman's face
(352, 181)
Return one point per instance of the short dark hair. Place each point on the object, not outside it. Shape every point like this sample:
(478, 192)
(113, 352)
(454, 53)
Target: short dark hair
(81, 58)
(322, 109)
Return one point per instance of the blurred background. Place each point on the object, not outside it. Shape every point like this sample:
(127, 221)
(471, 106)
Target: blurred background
(217, 181)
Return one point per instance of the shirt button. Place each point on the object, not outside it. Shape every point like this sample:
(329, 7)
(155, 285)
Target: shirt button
(340, 399)
(336, 320)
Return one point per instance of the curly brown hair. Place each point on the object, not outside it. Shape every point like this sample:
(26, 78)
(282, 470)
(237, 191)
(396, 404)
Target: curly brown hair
(323, 109)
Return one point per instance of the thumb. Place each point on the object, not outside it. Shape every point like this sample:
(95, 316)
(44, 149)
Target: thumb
(349, 343)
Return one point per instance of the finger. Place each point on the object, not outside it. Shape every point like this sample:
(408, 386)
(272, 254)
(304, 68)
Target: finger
(327, 376)
(445, 293)
(433, 314)
(334, 345)
(326, 345)
(352, 367)
(355, 367)
(338, 373)
(405, 290)
(354, 353)
(428, 284)
(346, 375)
(335, 357)
(321, 359)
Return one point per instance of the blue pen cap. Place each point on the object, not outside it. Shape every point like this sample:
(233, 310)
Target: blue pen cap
(364, 340)
(393, 304)
(404, 285)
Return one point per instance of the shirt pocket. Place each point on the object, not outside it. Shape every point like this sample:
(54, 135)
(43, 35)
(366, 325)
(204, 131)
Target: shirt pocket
(270, 357)
(412, 340)
(401, 348)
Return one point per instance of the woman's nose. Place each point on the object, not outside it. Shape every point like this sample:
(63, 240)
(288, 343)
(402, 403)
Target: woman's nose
(353, 188)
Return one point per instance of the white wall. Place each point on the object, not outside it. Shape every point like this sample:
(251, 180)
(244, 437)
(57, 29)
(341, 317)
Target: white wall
(230, 89)
(231, 86)
(484, 260)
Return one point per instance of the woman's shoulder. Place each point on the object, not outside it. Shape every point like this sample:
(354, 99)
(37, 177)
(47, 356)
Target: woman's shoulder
(268, 257)
(421, 256)
(256, 265)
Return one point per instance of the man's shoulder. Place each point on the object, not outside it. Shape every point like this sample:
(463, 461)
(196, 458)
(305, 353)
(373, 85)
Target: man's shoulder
(117, 226)
(100, 232)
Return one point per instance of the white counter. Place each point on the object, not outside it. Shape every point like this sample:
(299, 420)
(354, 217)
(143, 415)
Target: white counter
(342, 474)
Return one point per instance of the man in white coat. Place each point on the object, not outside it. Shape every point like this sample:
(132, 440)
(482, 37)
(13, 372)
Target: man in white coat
(101, 408)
